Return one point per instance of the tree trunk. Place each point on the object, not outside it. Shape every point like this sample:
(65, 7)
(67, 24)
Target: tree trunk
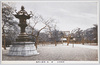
(83, 41)
(4, 38)
(4, 43)
(62, 40)
(68, 41)
(55, 43)
(36, 45)
(36, 42)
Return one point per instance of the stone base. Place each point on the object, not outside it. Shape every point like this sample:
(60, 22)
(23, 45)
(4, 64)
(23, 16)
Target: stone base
(23, 49)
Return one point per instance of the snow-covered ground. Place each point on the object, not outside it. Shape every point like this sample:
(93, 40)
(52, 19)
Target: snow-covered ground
(73, 45)
(82, 46)
(60, 52)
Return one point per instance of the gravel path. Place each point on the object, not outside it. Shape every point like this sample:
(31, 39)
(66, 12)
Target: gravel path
(60, 52)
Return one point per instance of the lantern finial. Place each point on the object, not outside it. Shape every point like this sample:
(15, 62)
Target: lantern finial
(22, 8)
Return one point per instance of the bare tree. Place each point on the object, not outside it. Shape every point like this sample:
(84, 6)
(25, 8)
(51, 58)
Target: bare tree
(43, 38)
(54, 34)
(71, 36)
(36, 19)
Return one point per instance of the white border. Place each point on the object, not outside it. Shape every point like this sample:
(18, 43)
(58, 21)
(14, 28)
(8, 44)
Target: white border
(50, 1)
(54, 62)
(49, 62)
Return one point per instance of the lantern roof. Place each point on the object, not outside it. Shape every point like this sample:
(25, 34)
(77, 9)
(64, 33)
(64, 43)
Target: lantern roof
(22, 14)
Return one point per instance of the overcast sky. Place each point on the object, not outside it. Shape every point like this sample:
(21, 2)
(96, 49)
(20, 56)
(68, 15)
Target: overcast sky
(69, 15)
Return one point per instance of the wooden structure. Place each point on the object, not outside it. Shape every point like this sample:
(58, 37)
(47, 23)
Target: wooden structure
(66, 37)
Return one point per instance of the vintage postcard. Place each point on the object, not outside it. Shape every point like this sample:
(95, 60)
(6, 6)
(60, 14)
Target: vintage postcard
(50, 32)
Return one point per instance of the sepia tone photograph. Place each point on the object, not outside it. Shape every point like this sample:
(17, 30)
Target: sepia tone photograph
(50, 31)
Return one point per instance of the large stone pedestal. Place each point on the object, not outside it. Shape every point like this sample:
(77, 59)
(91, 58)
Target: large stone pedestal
(23, 49)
